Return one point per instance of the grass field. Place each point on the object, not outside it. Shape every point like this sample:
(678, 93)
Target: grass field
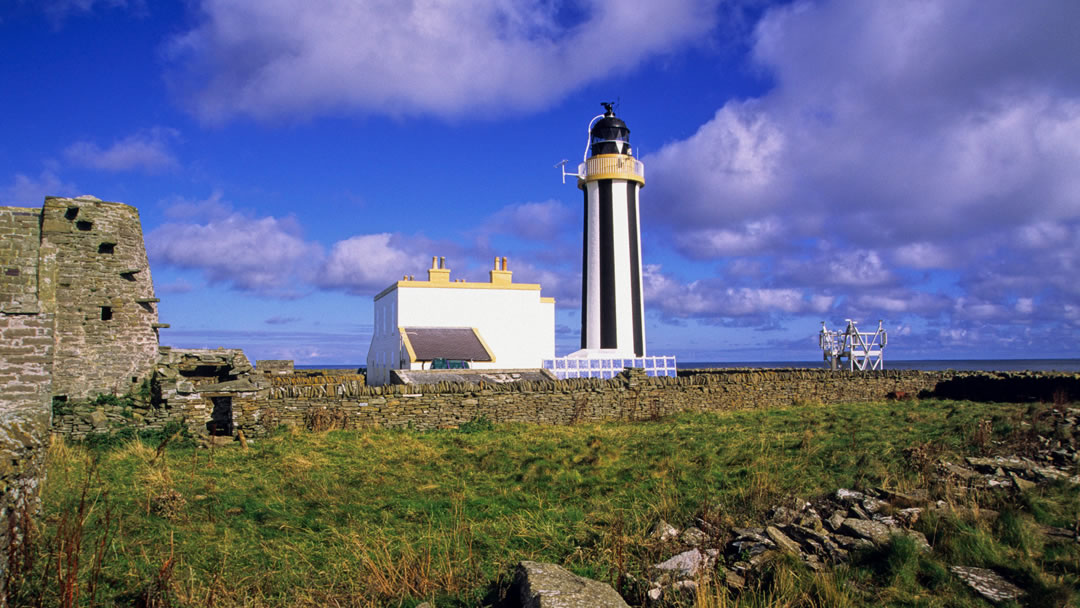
(393, 518)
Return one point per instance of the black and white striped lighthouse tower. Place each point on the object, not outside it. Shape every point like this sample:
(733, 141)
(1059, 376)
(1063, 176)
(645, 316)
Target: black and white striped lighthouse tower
(612, 307)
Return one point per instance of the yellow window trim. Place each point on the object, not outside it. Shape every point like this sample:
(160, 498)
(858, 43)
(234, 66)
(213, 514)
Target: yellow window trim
(408, 345)
(544, 300)
(484, 344)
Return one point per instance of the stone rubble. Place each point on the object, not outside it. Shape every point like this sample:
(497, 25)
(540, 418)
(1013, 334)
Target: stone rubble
(827, 530)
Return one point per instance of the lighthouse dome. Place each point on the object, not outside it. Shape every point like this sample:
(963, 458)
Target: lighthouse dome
(610, 135)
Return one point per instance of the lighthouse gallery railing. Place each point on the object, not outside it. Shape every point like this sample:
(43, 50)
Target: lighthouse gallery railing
(605, 166)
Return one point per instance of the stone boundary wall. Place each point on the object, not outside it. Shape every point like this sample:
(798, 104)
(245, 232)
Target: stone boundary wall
(574, 400)
(629, 397)
(26, 344)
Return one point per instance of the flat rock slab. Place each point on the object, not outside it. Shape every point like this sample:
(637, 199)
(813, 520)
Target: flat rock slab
(782, 541)
(687, 563)
(541, 585)
(877, 533)
(988, 583)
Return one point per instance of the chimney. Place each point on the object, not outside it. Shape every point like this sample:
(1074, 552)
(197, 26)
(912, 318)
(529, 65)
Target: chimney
(500, 275)
(438, 273)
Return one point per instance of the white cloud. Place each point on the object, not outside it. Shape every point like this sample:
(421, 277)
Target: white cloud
(366, 263)
(898, 137)
(752, 237)
(856, 268)
(31, 191)
(924, 255)
(543, 221)
(279, 59)
(263, 254)
(712, 298)
(726, 171)
(147, 150)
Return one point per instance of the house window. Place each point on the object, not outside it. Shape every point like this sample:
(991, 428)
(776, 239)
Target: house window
(71, 213)
(106, 313)
(109, 248)
(84, 225)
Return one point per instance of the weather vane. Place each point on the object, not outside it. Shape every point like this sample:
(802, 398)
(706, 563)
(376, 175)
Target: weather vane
(608, 105)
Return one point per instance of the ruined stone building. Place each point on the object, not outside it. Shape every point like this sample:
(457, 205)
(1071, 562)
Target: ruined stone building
(78, 317)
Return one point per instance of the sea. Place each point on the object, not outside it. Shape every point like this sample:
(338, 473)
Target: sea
(1001, 365)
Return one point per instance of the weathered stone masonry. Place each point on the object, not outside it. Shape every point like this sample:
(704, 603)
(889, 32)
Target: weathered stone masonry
(259, 404)
(77, 318)
(95, 276)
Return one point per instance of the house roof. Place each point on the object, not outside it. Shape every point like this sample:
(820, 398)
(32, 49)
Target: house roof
(459, 343)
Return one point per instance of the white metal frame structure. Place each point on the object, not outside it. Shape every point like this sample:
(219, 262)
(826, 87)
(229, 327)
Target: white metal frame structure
(863, 350)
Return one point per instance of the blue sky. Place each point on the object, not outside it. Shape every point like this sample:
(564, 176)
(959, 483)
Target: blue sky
(916, 162)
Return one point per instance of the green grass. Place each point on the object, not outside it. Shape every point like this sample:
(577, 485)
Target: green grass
(395, 517)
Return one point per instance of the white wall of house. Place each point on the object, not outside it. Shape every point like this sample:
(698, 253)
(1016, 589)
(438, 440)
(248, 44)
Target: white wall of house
(517, 324)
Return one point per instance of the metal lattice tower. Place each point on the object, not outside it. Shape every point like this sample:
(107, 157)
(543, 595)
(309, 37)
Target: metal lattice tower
(862, 350)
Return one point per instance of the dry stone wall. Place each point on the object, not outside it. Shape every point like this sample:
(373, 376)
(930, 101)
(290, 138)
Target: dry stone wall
(260, 405)
(631, 397)
(257, 403)
(26, 343)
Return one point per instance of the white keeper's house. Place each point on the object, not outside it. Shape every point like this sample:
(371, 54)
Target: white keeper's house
(453, 324)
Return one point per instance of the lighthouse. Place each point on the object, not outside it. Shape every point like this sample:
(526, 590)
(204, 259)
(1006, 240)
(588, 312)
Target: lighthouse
(612, 306)
(610, 178)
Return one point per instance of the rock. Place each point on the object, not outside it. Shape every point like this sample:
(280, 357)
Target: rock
(810, 520)
(814, 540)
(873, 505)
(684, 586)
(955, 470)
(849, 496)
(98, 419)
(991, 464)
(781, 540)
(762, 558)
(873, 531)
(1021, 483)
(782, 516)
(912, 498)
(733, 581)
(851, 542)
(1046, 473)
(542, 585)
(694, 537)
(663, 531)
(888, 520)
(687, 563)
(756, 534)
(987, 583)
(655, 594)
(858, 511)
(836, 520)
